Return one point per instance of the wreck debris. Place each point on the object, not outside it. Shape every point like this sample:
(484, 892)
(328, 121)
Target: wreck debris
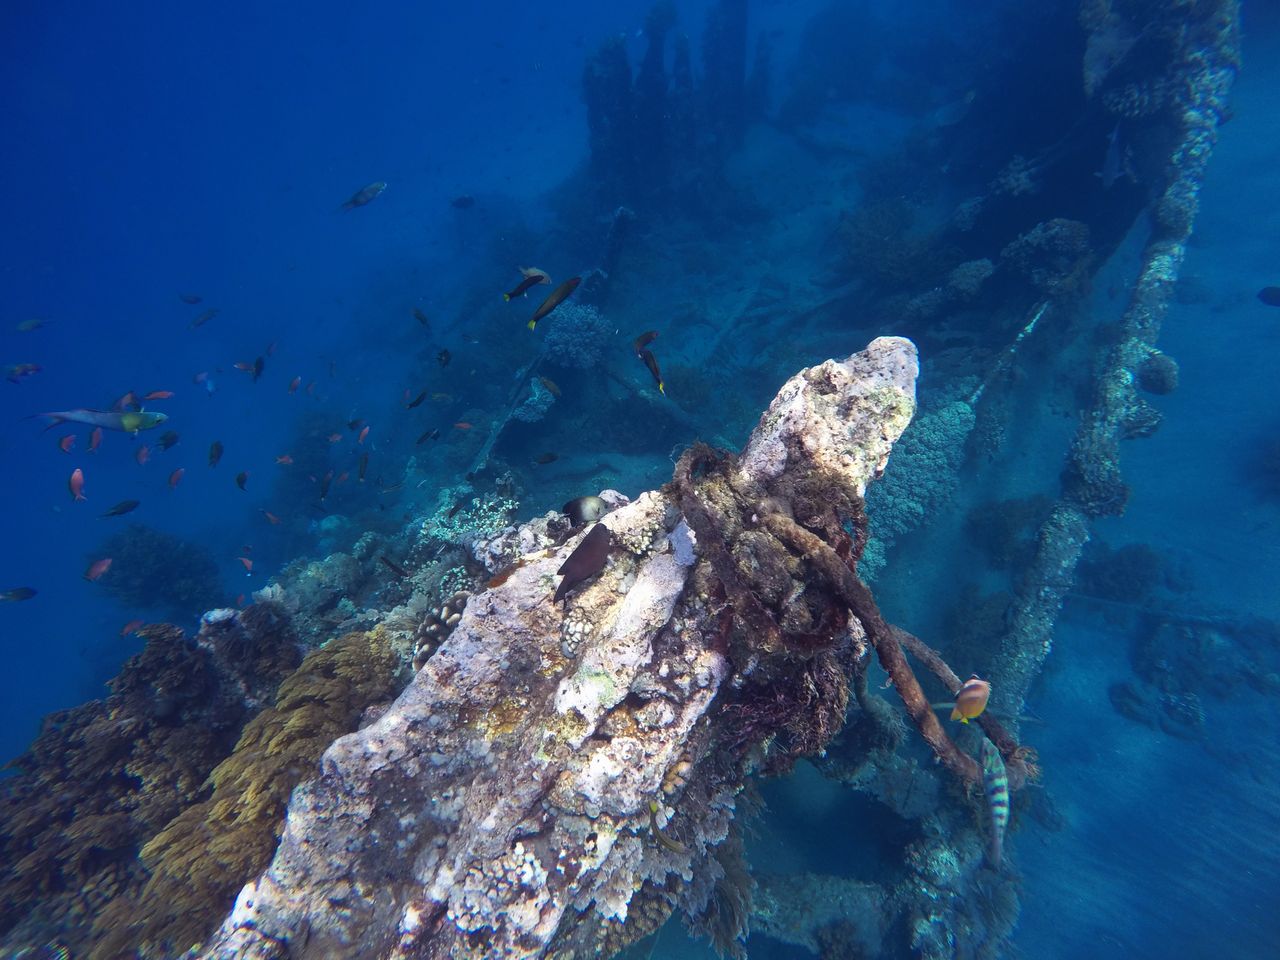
(502, 803)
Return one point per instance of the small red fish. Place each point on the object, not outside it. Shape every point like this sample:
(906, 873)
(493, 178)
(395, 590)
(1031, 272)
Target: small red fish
(335, 437)
(311, 388)
(284, 459)
(462, 425)
(294, 384)
(97, 569)
(175, 478)
(133, 626)
(271, 517)
(363, 433)
(342, 477)
(240, 600)
(243, 366)
(95, 439)
(128, 402)
(67, 442)
(247, 564)
(76, 485)
(159, 395)
(143, 454)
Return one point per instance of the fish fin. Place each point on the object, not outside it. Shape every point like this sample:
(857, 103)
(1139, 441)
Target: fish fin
(661, 389)
(955, 713)
(506, 298)
(533, 324)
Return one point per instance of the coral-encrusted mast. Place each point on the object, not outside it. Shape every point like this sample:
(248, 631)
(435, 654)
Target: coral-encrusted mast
(558, 780)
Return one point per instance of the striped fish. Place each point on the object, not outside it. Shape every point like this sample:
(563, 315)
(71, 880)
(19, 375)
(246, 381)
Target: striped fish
(995, 784)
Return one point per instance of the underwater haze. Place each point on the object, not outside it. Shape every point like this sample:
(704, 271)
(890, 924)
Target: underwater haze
(410, 285)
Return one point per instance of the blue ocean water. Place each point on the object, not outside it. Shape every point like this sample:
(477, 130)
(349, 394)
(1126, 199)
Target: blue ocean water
(160, 150)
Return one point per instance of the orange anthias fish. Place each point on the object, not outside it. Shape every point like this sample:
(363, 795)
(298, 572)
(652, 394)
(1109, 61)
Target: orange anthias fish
(67, 442)
(143, 454)
(271, 517)
(247, 564)
(95, 439)
(971, 699)
(294, 384)
(133, 626)
(363, 433)
(462, 425)
(284, 459)
(97, 569)
(159, 395)
(76, 484)
(175, 478)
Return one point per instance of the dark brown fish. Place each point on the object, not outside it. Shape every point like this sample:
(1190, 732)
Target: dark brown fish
(584, 510)
(463, 202)
(651, 362)
(167, 440)
(258, 366)
(421, 317)
(429, 435)
(522, 286)
(191, 298)
(588, 559)
(546, 458)
(552, 387)
(242, 478)
(204, 318)
(1270, 296)
(444, 356)
(364, 195)
(364, 465)
(324, 485)
(554, 299)
(644, 340)
(123, 507)
(215, 453)
(416, 400)
(394, 567)
(17, 594)
(355, 424)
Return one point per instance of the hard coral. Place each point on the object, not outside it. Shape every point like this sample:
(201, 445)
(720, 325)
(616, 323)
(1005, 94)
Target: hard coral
(102, 779)
(198, 862)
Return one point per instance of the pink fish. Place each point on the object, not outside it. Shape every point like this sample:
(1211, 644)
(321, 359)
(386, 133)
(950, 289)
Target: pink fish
(159, 395)
(175, 478)
(95, 439)
(294, 384)
(133, 626)
(97, 569)
(76, 484)
(363, 433)
(247, 564)
(143, 454)
(67, 442)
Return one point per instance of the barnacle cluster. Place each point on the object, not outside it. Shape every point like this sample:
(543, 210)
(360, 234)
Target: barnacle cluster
(436, 626)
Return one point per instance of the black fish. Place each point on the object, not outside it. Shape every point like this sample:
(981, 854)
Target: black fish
(651, 362)
(1270, 296)
(258, 365)
(444, 356)
(364, 465)
(584, 510)
(354, 424)
(416, 400)
(546, 458)
(587, 559)
(421, 317)
(123, 507)
(215, 453)
(192, 298)
(644, 340)
(242, 478)
(394, 567)
(324, 485)
(463, 202)
(429, 435)
(16, 594)
(554, 299)
(522, 286)
(167, 440)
